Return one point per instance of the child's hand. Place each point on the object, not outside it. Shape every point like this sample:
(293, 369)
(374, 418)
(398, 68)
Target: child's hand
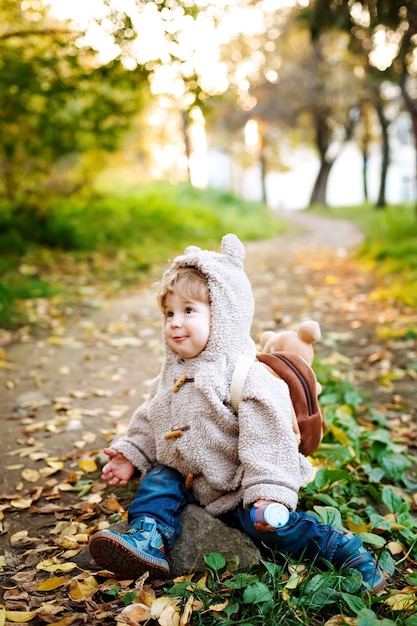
(118, 471)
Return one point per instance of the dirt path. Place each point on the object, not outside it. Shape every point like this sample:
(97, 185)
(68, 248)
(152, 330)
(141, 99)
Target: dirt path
(65, 394)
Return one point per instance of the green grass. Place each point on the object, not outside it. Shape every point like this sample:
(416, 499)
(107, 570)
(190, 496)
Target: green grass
(389, 248)
(111, 241)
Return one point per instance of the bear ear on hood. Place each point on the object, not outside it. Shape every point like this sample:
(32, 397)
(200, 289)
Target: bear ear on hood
(233, 248)
(192, 250)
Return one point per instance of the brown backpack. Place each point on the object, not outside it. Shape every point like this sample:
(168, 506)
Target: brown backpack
(301, 381)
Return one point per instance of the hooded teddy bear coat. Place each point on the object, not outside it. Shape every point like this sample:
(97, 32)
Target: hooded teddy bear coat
(228, 459)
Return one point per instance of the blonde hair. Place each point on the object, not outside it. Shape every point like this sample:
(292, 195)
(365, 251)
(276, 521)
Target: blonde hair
(188, 280)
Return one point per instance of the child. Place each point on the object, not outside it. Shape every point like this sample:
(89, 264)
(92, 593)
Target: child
(191, 447)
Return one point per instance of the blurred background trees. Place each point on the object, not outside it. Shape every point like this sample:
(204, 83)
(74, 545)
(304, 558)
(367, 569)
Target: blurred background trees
(154, 82)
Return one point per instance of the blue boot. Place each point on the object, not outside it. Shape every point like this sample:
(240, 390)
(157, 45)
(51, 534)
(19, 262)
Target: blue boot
(351, 553)
(131, 554)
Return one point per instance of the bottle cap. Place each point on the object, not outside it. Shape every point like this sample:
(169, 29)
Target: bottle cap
(276, 515)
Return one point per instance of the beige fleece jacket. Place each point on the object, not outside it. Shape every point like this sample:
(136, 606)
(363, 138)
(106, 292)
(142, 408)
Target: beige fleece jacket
(228, 458)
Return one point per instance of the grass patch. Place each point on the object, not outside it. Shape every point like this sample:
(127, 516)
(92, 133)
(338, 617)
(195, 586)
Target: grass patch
(389, 247)
(73, 247)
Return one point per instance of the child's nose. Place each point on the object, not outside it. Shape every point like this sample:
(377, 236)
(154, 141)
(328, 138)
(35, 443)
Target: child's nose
(175, 320)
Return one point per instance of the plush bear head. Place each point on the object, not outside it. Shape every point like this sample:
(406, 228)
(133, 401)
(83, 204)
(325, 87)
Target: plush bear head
(298, 341)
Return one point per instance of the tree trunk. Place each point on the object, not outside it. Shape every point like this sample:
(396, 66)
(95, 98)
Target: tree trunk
(411, 105)
(381, 202)
(187, 146)
(263, 164)
(365, 174)
(318, 195)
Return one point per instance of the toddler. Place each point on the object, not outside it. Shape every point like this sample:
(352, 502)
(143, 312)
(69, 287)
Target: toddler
(191, 447)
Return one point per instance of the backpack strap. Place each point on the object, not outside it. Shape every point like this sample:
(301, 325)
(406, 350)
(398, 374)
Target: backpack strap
(246, 359)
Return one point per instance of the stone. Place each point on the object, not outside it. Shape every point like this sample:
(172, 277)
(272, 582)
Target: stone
(202, 534)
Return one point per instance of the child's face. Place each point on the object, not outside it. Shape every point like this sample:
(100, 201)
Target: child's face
(187, 326)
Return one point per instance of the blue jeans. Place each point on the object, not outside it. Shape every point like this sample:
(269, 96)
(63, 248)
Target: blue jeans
(162, 495)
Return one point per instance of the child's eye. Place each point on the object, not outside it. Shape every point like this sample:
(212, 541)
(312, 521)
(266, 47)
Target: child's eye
(189, 310)
(169, 314)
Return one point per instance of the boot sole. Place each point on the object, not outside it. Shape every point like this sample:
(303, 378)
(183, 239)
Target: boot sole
(127, 564)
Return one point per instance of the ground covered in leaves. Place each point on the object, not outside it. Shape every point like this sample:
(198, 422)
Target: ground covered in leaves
(69, 385)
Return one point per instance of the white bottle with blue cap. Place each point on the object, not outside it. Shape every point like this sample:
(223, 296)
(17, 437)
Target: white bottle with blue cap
(274, 514)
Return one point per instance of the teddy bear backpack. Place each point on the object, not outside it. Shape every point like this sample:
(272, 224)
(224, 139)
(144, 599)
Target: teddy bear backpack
(296, 371)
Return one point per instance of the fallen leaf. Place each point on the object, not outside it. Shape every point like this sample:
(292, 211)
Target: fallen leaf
(22, 503)
(135, 614)
(88, 465)
(170, 616)
(50, 566)
(81, 590)
(161, 603)
(404, 600)
(341, 620)
(30, 475)
(218, 608)
(53, 583)
(395, 547)
(18, 537)
(20, 617)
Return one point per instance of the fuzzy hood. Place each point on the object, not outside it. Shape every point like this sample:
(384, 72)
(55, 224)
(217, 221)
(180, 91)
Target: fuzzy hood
(231, 299)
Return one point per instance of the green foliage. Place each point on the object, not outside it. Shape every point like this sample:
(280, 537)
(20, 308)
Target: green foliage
(279, 592)
(60, 110)
(389, 247)
(119, 238)
(366, 479)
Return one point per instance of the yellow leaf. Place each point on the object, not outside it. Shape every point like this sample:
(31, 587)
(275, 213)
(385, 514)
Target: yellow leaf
(357, 528)
(55, 341)
(2, 614)
(294, 580)
(218, 608)
(22, 503)
(18, 537)
(30, 475)
(88, 465)
(170, 616)
(48, 565)
(340, 620)
(340, 435)
(404, 600)
(53, 583)
(201, 584)
(55, 464)
(81, 590)
(67, 542)
(331, 279)
(187, 612)
(6, 365)
(285, 595)
(20, 616)
(147, 596)
(159, 605)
